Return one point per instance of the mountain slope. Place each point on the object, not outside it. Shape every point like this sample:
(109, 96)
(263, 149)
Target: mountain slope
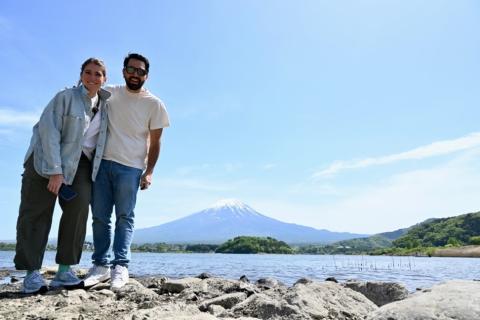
(432, 232)
(455, 230)
(393, 235)
(376, 241)
(227, 219)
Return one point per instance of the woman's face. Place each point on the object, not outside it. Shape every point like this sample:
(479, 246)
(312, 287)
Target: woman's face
(92, 77)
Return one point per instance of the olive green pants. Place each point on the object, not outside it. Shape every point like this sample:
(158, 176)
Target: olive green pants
(35, 218)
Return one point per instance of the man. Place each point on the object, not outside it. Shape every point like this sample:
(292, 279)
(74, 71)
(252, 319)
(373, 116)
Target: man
(136, 120)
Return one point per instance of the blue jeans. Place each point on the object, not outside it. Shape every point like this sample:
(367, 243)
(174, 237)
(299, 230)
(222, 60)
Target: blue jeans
(115, 185)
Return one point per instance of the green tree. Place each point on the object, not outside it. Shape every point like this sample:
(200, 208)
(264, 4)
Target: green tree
(475, 240)
(452, 241)
(454, 231)
(246, 244)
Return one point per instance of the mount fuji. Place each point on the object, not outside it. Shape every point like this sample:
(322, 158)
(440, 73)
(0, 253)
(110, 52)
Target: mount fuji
(230, 218)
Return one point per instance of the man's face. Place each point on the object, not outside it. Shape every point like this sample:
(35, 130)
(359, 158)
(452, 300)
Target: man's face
(135, 74)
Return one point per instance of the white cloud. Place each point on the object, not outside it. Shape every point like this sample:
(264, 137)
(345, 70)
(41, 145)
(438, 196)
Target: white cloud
(434, 149)
(315, 189)
(396, 202)
(269, 166)
(11, 118)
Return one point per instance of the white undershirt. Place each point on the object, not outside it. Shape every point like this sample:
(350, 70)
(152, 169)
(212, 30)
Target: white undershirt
(92, 128)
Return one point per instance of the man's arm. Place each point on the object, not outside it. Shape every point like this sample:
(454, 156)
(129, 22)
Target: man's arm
(153, 153)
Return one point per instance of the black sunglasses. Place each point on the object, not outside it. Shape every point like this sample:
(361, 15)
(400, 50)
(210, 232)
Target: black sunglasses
(132, 70)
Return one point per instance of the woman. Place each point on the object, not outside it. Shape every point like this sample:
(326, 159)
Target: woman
(69, 136)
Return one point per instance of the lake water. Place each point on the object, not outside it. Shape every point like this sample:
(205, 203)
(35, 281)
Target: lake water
(413, 272)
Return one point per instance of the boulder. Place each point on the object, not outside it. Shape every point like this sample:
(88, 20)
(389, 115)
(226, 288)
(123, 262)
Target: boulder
(328, 300)
(227, 301)
(170, 312)
(268, 283)
(152, 282)
(263, 306)
(178, 285)
(310, 300)
(135, 292)
(213, 287)
(304, 281)
(204, 275)
(379, 292)
(456, 299)
(215, 310)
(333, 279)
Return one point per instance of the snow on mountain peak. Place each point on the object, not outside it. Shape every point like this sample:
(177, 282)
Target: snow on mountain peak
(231, 203)
(232, 206)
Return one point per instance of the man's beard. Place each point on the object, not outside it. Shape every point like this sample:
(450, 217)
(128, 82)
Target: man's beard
(134, 86)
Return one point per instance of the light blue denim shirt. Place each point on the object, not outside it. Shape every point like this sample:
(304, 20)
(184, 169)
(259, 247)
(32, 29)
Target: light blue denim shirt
(58, 136)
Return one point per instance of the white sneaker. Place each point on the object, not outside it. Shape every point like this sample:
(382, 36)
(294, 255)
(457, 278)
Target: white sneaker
(119, 277)
(96, 274)
(34, 282)
(67, 278)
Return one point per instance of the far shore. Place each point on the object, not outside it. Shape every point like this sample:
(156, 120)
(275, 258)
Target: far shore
(458, 252)
(470, 251)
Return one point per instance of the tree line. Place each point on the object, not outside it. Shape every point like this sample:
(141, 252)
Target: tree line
(422, 239)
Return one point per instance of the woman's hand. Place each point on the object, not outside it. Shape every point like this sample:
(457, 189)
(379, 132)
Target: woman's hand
(54, 183)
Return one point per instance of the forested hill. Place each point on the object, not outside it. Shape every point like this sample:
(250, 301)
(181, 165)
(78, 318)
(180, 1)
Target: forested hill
(420, 238)
(246, 244)
(358, 245)
(458, 230)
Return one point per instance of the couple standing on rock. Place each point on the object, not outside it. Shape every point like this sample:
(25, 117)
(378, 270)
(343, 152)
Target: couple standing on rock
(91, 146)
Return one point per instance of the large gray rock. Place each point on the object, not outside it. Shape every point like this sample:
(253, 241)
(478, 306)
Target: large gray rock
(379, 292)
(178, 285)
(268, 283)
(329, 300)
(170, 312)
(453, 300)
(135, 292)
(310, 300)
(214, 287)
(226, 301)
(152, 282)
(263, 306)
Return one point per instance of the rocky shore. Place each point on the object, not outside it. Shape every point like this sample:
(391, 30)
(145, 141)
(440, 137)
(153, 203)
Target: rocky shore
(205, 297)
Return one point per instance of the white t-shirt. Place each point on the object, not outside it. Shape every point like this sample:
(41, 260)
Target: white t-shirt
(92, 128)
(131, 116)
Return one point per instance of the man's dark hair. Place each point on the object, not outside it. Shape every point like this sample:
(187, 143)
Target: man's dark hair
(136, 56)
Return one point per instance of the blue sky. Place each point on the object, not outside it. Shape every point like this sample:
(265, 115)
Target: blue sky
(358, 116)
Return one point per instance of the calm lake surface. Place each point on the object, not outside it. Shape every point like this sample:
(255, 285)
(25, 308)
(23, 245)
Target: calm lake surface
(413, 272)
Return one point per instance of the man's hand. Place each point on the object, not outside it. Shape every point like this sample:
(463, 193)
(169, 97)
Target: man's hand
(145, 181)
(153, 152)
(54, 183)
